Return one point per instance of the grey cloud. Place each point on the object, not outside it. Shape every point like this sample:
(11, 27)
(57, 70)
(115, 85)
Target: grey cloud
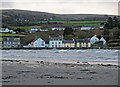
(7, 4)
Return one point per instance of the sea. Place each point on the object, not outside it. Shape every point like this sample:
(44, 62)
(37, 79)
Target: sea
(92, 56)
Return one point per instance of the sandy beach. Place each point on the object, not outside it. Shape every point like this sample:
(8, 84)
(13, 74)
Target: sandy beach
(29, 72)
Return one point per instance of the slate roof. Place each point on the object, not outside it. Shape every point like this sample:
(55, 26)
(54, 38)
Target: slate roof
(68, 41)
(56, 38)
(83, 40)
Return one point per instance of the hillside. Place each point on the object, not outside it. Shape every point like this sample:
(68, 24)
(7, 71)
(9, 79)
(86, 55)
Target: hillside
(19, 17)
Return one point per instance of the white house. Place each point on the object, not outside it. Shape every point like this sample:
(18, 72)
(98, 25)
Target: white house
(33, 30)
(94, 39)
(58, 28)
(55, 42)
(86, 28)
(44, 30)
(4, 30)
(38, 43)
(104, 41)
(101, 27)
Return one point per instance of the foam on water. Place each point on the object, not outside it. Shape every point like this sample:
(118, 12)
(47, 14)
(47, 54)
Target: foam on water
(90, 55)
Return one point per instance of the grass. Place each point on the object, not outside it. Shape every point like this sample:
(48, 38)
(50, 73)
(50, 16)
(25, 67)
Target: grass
(1, 38)
(69, 22)
(5, 16)
(11, 35)
(115, 40)
(75, 23)
(97, 25)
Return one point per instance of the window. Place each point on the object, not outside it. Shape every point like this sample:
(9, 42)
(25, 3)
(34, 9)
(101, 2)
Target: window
(42, 42)
(4, 46)
(59, 42)
(7, 38)
(52, 42)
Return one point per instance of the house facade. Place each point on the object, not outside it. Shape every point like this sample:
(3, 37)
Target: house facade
(11, 42)
(87, 28)
(6, 30)
(55, 42)
(94, 39)
(37, 43)
(103, 40)
(68, 43)
(83, 43)
(33, 30)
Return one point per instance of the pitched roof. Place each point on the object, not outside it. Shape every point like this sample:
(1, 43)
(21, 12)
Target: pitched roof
(68, 41)
(54, 38)
(83, 40)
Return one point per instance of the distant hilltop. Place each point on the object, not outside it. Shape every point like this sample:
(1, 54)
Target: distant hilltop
(14, 15)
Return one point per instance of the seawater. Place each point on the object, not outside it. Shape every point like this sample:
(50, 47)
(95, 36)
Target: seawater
(89, 55)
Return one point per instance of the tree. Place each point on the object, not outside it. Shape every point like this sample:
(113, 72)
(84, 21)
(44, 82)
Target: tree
(68, 31)
(115, 22)
(18, 30)
(110, 23)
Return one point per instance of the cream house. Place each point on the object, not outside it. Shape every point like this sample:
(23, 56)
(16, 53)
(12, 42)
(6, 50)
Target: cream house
(68, 43)
(83, 43)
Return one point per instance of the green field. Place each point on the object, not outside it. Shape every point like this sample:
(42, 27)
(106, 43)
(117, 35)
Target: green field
(12, 35)
(1, 39)
(74, 23)
(69, 22)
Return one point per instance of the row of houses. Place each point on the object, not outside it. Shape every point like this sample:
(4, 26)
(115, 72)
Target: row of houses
(54, 42)
(6, 30)
(34, 29)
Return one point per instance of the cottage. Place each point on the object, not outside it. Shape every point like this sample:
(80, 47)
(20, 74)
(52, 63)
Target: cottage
(68, 43)
(33, 30)
(11, 42)
(103, 40)
(86, 28)
(94, 39)
(37, 43)
(83, 43)
(55, 42)
(58, 28)
(44, 30)
(4, 30)
(101, 27)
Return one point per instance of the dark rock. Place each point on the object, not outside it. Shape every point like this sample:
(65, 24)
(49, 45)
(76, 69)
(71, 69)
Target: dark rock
(41, 62)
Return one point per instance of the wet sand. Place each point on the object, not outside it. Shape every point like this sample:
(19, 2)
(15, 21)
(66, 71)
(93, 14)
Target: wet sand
(26, 72)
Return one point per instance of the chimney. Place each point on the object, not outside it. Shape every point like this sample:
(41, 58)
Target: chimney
(62, 37)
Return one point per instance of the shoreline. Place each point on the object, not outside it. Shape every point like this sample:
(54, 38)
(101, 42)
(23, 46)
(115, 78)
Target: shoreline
(40, 48)
(60, 62)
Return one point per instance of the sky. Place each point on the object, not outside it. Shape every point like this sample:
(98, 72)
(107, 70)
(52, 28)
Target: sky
(64, 6)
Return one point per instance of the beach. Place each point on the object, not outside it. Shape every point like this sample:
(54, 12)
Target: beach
(16, 72)
(60, 67)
